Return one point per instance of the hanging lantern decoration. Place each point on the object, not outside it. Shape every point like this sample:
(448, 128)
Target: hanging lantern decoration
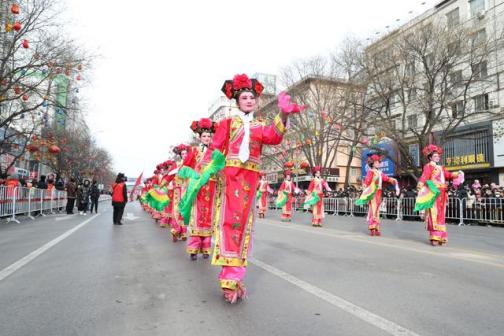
(25, 97)
(32, 148)
(17, 90)
(78, 77)
(25, 44)
(17, 26)
(53, 149)
(304, 165)
(365, 141)
(15, 9)
(8, 27)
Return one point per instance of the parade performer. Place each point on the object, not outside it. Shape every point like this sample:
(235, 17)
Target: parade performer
(263, 189)
(432, 195)
(166, 183)
(241, 138)
(200, 222)
(178, 229)
(285, 199)
(315, 197)
(372, 193)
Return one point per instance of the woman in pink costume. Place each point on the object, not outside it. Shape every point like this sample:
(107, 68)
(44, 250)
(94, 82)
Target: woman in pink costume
(241, 138)
(200, 223)
(178, 229)
(263, 190)
(315, 197)
(285, 199)
(432, 195)
(372, 193)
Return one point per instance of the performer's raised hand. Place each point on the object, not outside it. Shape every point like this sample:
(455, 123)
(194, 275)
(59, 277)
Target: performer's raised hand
(285, 105)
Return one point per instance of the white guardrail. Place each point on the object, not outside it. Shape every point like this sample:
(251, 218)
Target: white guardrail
(460, 211)
(32, 202)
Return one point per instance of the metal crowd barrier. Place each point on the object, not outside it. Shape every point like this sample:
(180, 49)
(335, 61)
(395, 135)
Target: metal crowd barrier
(460, 211)
(15, 201)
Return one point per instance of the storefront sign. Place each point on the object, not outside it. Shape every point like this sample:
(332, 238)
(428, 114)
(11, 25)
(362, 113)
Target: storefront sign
(498, 142)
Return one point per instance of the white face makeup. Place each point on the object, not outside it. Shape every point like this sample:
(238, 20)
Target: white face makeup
(246, 102)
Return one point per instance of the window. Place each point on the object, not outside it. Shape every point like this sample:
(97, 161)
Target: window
(479, 37)
(454, 48)
(453, 18)
(456, 78)
(457, 109)
(429, 59)
(481, 102)
(410, 69)
(412, 94)
(480, 70)
(353, 172)
(412, 121)
(476, 6)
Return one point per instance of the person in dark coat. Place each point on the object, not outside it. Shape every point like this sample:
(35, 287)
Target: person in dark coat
(95, 196)
(83, 193)
(119, 198)
(71, 189)
(42, 184)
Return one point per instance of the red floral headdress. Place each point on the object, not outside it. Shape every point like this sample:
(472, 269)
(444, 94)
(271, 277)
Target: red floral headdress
(289, 164)
(203, 125)
(429, 149)
(374, 157)
(178, 149)
(316, 169)
(304, 165)
(159, 166)
(240, 83)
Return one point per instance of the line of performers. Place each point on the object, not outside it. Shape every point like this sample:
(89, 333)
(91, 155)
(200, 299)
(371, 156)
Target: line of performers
(209, 194)
(432, 196)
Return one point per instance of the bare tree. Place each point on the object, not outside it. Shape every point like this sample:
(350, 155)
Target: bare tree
(422, 81)
(37, 68)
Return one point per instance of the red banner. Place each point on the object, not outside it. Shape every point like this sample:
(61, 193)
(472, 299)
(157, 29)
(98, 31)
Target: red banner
(137, 183)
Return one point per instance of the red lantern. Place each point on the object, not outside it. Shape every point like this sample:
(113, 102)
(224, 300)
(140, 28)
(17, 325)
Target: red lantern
(17, 90)
(15, 9)
(25, 44)
(365, 140)
(17, 26)
(78, 78)
(54, 149)
(32, 148)
(25, 97)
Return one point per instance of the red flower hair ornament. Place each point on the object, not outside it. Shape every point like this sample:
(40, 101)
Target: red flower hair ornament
(430, 149)
(241, 83)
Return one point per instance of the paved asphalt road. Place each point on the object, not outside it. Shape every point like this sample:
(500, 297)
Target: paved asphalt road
(102, 279)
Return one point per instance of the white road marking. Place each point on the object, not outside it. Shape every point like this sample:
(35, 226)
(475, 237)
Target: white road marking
(62, 218)
(447, 252)
(130, 216)
(30, 257)
(361, 313)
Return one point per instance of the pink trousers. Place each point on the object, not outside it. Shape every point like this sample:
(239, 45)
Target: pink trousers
(198, 244)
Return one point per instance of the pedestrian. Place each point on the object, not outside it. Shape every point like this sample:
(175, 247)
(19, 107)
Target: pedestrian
(119, 198)
(83, 197)
(95, 196)
(285, 192)
(42, 184)
(71, 189)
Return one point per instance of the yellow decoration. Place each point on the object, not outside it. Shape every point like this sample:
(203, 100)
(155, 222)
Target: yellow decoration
(8, 27)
